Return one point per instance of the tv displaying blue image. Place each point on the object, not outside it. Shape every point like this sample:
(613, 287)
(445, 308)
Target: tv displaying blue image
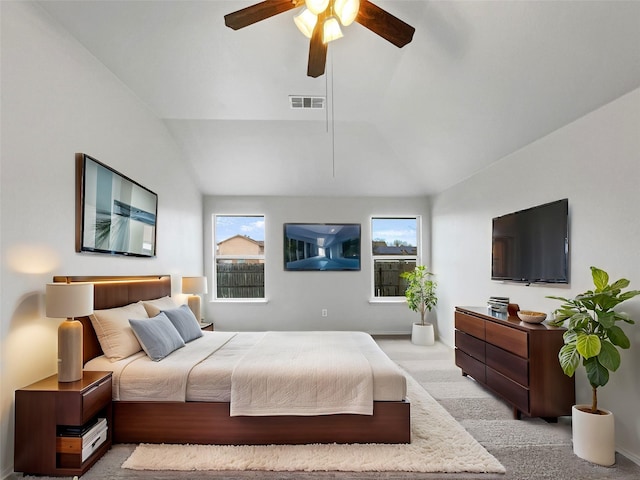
(321, 246)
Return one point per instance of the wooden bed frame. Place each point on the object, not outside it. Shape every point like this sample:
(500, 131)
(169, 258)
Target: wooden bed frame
(209, 422)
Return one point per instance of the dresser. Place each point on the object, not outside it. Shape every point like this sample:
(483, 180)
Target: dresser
(517, 361)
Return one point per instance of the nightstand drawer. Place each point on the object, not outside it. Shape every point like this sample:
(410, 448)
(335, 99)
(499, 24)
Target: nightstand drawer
(75, 406)
(95, 399)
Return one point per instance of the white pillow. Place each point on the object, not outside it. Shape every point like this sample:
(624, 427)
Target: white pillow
(114, 332)
(154, 307)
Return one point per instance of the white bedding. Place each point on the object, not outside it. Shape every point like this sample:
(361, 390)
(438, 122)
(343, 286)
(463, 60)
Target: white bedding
(203, 369)
(325, 374)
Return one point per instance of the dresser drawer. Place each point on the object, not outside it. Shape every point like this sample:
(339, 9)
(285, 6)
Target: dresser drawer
(470, 345)
(470, 324)
(470, 365)
(510, 365)
(511, 391)
(507, 338)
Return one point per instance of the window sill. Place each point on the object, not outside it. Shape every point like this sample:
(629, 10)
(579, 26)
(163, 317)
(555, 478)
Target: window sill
(240, 300)
(387, 301)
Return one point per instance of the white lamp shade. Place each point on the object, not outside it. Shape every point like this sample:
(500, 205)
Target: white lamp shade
(331, 30)
(317, 6)
(306, 22)
(194, 285)
(69, 300)
(346, 10)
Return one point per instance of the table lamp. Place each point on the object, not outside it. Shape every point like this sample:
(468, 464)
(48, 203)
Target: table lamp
(194, 286)
(69, 300)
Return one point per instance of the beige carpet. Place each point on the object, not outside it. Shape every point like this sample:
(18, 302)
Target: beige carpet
(438, 444)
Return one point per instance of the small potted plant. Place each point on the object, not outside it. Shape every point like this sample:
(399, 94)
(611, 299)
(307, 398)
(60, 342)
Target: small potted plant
(593, 338)
(421, 297)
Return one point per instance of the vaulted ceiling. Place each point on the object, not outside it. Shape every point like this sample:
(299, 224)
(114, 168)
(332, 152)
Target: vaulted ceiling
(480, 80)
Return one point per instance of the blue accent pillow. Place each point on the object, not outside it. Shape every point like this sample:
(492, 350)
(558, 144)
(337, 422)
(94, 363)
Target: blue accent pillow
(157, 336)
(185, 322)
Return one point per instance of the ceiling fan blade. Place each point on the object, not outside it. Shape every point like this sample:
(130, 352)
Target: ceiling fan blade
(317, 51)
(259, 11)
(384, 24)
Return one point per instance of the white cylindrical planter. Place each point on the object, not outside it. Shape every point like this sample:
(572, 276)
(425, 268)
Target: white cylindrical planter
(594, 436)
(422, 334)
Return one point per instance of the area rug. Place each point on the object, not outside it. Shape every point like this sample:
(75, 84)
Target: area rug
(438, 444)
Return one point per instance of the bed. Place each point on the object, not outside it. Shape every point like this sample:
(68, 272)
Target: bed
(206, 416)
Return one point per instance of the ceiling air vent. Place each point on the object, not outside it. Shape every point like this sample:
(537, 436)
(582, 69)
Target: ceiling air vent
(299, 101)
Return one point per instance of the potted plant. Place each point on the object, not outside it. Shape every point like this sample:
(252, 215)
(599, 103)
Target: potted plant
(421, 297)
(593, 338)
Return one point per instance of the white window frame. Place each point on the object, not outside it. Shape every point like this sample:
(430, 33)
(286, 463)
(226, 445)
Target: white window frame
(417, 256)
(217, 257)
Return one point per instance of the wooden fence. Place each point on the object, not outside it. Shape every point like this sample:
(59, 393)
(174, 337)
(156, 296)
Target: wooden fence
(387, 280)
(240, 280)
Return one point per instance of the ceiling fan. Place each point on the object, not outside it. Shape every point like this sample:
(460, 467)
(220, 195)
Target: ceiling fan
(320, 21)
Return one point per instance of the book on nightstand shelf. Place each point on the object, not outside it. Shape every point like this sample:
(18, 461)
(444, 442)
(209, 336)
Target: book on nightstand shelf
(89, 428)
(83, 439)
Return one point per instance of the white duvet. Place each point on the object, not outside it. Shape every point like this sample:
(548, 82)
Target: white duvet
(272, 373)
(301, 373)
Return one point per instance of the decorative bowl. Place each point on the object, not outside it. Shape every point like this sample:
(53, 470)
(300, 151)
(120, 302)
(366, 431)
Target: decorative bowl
(531, 317)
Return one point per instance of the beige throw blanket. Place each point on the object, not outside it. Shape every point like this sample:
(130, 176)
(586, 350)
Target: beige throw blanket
(303, 373)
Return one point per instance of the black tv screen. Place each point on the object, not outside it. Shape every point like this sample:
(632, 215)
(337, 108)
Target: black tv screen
(322, 246)
(532, 245)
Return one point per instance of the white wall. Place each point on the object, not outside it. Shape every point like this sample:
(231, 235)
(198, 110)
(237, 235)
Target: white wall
(58, 100)
(295, 299)
(595, 163)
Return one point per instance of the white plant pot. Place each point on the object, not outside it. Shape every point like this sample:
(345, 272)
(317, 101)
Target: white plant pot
(594, 436)
(422, 334)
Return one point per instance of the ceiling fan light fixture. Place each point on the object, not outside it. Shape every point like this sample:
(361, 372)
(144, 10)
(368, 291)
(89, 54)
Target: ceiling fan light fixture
(331, 30)
(317, 6)
(306, 22)
(346, 10)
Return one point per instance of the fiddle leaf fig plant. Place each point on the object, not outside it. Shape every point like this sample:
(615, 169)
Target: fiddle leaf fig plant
(592, 336)
(421, 291)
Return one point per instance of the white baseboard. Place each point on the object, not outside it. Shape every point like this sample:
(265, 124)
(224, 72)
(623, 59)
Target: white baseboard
(631, 456)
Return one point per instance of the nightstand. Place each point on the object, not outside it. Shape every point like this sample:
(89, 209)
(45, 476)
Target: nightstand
(59, 428)
(206, 326)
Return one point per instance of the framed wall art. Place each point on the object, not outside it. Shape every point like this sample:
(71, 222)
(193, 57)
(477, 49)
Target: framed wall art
(114, 214)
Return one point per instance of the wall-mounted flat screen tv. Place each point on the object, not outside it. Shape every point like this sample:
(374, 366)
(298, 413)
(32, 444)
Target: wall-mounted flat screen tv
(532, 245)
(322, 246)
(114, 214)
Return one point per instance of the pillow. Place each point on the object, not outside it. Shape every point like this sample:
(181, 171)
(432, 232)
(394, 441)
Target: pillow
(154, 307)
(114, 332)
(157, 336)
(185, 322)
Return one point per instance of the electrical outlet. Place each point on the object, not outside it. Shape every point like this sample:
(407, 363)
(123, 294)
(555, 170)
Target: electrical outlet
(324, 312)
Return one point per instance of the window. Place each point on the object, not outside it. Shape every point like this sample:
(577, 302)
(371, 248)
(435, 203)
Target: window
(394, 248)
(238, 256)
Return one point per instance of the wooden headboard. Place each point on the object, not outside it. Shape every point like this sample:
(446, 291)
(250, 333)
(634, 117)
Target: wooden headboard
(110, 292)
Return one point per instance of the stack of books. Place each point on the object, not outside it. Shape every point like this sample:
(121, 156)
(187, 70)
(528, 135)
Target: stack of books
(86, 438)
(498, 304)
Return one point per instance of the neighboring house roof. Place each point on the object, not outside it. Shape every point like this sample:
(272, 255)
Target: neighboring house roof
(394, 250)
(244, 237)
